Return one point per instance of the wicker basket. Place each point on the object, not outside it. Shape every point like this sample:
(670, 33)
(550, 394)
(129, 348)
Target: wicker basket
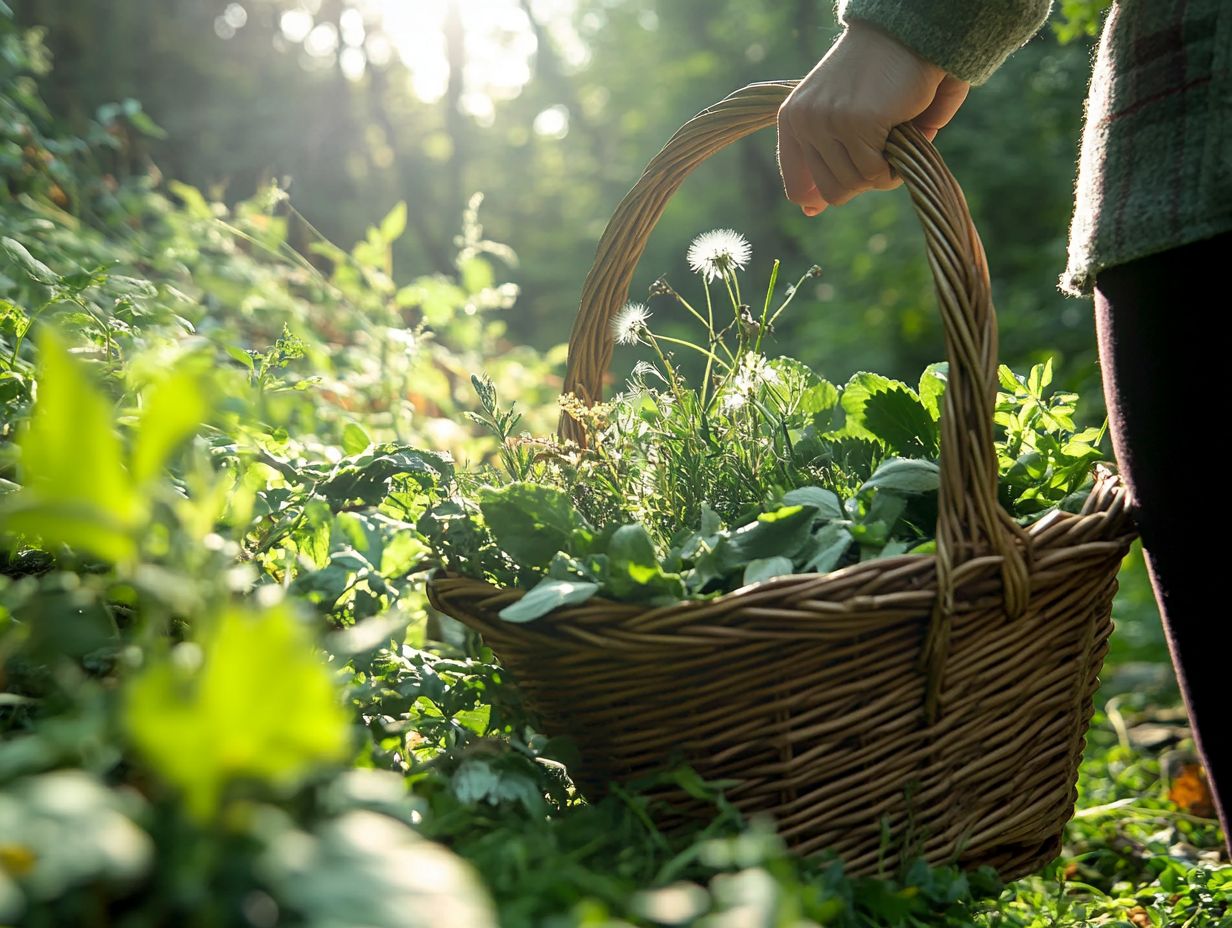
(941, 699)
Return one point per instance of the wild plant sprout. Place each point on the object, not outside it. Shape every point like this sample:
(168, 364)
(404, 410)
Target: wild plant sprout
(759, 468)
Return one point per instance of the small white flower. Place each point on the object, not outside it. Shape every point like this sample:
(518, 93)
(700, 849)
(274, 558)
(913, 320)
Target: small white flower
(629, 323)
(733, 402)
(644, 369)
(714, 253)
(753, 372)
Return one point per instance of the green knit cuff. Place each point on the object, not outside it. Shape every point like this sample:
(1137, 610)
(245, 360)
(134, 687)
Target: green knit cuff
(967, 38)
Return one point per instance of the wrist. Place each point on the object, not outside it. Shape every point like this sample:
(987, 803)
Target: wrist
(865, 38)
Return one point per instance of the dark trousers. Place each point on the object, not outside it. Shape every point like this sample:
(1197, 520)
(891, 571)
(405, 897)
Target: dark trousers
(1163, 365)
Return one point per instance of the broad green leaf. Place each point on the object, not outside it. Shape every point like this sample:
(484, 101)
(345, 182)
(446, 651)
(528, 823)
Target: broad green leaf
(826, 502)
(194, 202)
(394, 223)
(890, 411)
(368, 869)
(75, 488)
(1008, 379)
(313, 538)
(932, 387)
(363, 531)
(634, 570)
(35, 269)
(239, 354)
(531, 522)
(778, 533)
(368, 476)
(354, 439)
(894, 547)
(547, 595)
(767, 569)
(1039, 377)
(592, 568)
(64, 831)
(719, 561)
(825, 549)
(251, 700)
(402, 554)
(172, 411)
(805, 393)
(905, 477)
(476, 274)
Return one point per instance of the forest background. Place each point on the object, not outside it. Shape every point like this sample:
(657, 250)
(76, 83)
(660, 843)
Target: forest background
(256, 226)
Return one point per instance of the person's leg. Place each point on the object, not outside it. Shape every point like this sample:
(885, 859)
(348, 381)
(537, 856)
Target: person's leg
(1163, 360)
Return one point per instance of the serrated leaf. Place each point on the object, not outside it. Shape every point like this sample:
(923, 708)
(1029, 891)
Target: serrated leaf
(1008, 379)
(806, 393)
(932, 387)
(884, 409)
(532, 522)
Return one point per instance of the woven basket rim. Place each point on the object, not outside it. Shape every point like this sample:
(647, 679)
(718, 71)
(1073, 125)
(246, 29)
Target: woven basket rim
(1108, 501)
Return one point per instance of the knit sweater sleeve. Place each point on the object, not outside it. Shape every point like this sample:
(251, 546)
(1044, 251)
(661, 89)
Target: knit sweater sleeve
(968, 38)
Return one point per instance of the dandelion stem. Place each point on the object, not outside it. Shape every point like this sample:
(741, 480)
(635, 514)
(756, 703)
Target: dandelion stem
(765, 310)
(711, 342)
(689, 306)
(710, 355)
(672, 376)
(790, 296)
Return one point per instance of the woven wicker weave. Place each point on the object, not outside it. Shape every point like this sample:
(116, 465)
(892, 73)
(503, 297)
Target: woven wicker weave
(941, 699)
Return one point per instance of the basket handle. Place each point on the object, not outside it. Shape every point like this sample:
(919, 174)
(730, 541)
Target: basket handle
(971, 523)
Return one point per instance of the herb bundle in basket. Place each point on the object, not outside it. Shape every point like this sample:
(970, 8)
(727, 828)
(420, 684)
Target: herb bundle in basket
(876, 611)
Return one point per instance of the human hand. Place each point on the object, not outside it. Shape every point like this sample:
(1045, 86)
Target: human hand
(833, 126)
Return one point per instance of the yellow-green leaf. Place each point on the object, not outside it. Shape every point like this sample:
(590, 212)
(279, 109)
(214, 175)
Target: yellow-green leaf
(173, 410)
(75, 490)
(252, 700)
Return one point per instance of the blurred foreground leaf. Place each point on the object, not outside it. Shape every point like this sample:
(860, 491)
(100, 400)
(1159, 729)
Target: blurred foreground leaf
(75, 489)
(253, 700)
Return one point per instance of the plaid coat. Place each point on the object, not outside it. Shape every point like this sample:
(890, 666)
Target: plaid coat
(1156, 165)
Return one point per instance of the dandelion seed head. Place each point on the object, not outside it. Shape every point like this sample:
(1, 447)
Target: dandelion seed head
(713, 254)
(629, 323)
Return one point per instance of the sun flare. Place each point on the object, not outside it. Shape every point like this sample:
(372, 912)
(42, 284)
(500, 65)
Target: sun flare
(497, 46)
